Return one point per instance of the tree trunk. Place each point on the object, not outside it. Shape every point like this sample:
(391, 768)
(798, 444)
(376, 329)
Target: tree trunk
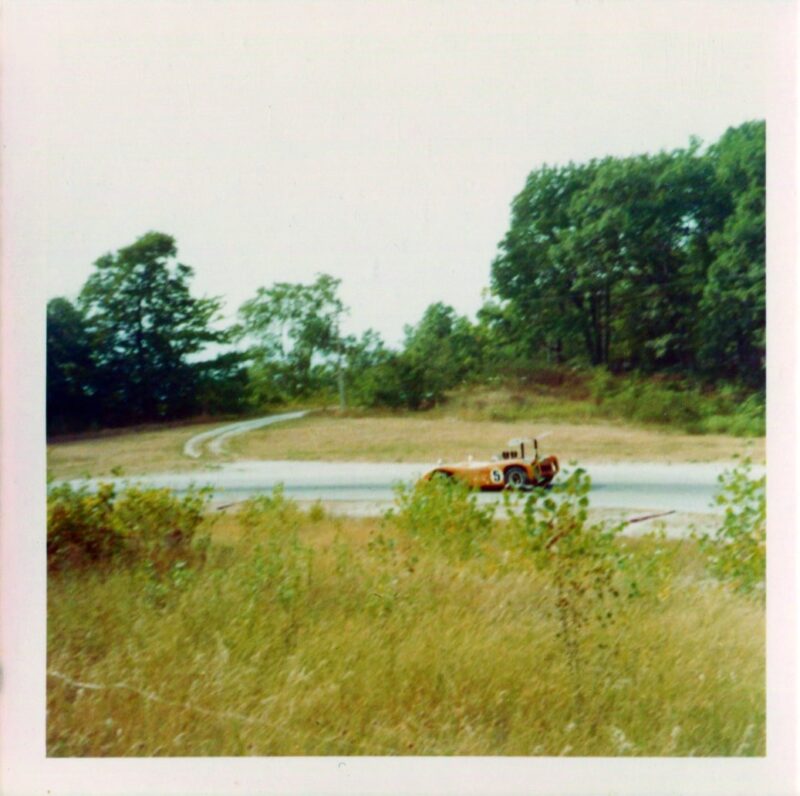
(340, 379)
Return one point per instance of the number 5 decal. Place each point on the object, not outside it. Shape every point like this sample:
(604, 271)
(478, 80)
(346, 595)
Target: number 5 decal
(496, 476)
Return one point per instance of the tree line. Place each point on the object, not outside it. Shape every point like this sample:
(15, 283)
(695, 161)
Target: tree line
(648, 264)
(655, 262)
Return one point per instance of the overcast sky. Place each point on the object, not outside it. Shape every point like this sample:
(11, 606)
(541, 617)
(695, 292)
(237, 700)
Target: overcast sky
(379, 142)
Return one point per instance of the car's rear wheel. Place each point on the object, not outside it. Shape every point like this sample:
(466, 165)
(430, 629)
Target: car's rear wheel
(516, 478)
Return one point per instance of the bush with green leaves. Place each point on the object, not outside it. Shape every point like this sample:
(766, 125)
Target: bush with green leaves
(736, 552)
(647, 401)
(79, 526)
(266, 514)
(581, 559)
(279, 564)
(648, 564)
(740, 416)
(679, 401)
(137, 525)
(444, 514)
(160, 527)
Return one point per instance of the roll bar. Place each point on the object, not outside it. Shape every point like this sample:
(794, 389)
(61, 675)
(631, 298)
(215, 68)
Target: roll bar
(522, 441)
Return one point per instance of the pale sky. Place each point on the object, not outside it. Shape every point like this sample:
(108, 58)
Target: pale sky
(379, 142)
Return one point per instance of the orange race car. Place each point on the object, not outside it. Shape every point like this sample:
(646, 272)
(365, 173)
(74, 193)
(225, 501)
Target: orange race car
(510, 470)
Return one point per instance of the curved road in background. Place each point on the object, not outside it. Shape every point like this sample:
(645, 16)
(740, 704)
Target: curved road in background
(215, 439)
(367, 488)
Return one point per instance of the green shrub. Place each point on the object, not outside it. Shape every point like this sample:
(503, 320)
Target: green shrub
(602, 385)
(444, 514)
(263, 515)
(580, 559)
(736, 552)
(679, 402)
(648, 565)
(79, 526)
(744, 418)
(278, 564)
(136, 526)
(159, 527)
(650, 402)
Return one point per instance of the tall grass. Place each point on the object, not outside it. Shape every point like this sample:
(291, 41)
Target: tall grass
(440, 633)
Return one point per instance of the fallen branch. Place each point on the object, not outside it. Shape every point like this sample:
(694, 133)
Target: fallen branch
(648, 517)
(150, 696)
(228, 505)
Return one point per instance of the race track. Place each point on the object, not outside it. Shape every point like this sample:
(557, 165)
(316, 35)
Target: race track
(365, 488)
(368, 488)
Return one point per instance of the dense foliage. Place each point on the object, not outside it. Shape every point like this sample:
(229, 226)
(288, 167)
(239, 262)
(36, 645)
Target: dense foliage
(653, 262)
(293, 328)
(652, 265)
(126, 351)
(153, 528)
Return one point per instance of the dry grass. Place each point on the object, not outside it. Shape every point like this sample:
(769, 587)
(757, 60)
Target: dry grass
(135, 452)
(422, 438)
(451, 432)
(386, 647)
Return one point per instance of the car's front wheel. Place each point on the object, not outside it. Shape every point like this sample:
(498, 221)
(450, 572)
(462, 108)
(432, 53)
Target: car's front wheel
(516, 478)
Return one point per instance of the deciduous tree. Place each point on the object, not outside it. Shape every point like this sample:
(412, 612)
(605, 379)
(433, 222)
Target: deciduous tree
(733, 307)
(294, 327)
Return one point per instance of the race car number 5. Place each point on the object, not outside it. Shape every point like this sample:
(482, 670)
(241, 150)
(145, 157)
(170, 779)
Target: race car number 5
(496, 476)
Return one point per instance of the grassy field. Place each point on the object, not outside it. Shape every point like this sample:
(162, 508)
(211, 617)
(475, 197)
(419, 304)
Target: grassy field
(428, 437)
(433, 632)
(404, 437)
(589, 420)
(565, 396)
(134, 452)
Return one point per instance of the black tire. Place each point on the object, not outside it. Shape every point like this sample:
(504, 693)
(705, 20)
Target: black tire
(516, 478)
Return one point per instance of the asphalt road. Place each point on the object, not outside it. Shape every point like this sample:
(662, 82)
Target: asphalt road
(635, 486)
(364, 488)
